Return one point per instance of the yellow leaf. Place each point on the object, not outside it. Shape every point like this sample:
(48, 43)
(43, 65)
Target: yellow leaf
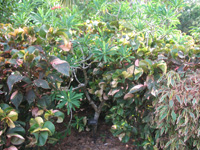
(51, 29)
(127, 74)
(1, 111)
(41, 130)
(40, 112)
(10, 122)
(13, 115)
(58, 84)
(39, 120)
(131, 69)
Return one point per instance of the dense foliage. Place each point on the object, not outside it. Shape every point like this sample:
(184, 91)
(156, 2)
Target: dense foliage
(190, 17)
(127, 60)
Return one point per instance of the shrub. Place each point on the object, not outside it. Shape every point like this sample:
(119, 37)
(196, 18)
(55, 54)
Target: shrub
(177, 112)
(189, 17)
(29, 80)
(116, 62)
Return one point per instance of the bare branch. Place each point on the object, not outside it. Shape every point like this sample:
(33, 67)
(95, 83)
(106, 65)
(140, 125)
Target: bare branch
(91, 102)
(84, 60)
(94, 106)
(76, 76)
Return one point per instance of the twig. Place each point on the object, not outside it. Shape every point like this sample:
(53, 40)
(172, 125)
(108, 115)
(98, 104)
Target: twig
(84, 59)
(76, 76)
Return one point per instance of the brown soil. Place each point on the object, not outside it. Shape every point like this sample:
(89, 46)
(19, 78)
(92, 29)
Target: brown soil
(84, 141)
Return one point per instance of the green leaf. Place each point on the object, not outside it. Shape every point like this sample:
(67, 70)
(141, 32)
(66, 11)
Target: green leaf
(43, 31)
(181, 142)
(6, 47)
(29, 58)
(41, 83)
(17, 129)
(119, 94)
(61, 104)
(16, 139)
(50, 126)
(163, 98)
(163, 116)
(173, 115)
(179, 119)
(194, 101)
(16, 98)
(163, 66)
(168, 143)
(44, 101)
(171, 103)
(192, 115)
(30, 96)
(144, 65)
(70, 99)
(120, 111)
(31, 49)
(42, 138)
(125, 139)
(179, 99)
(12, 79)
(5, 106)
(60, 116)
(138, 73)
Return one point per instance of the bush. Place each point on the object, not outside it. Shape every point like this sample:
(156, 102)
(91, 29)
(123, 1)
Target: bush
(115, 63)
(177, 111)
(189, 17)
(29, 81)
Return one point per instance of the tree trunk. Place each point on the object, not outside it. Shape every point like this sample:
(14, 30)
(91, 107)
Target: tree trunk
(96, 117)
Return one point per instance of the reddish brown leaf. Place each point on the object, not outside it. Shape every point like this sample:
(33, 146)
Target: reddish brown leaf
(66, 47)
(128, 95)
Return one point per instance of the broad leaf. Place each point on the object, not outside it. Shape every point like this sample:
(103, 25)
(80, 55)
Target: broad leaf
(43, 31)
(13, 115)
(41, 83)
(30, 96)
(60, 65)
(128, 95)
(137, 88)
(163, 66)
(12, 79)
(42, 138)
(18, 129)
(11, 148)
(39, 121)
(44, 101)
(138, 73)
(60, 116)
(16, 98)
(173, 115)
(50, 126)
(16, 139)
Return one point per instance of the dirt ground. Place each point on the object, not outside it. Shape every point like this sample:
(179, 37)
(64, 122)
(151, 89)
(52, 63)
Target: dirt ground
(85, 141)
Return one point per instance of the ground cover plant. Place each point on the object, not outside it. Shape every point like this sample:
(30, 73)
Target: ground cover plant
(124, 60)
